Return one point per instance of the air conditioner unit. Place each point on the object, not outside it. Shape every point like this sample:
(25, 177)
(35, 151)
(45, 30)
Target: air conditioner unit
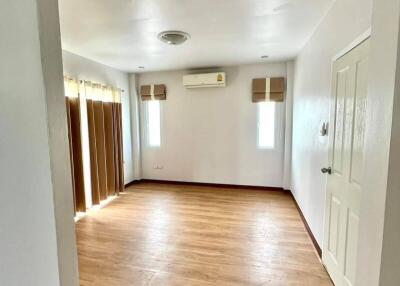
(204, 80)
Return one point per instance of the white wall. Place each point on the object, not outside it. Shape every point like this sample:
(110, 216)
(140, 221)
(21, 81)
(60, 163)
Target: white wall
(210, 135)
(389, 273)
(84, 69)
(135, 128)
(345, 21)
(379, 251)
(37, 240)
(287, 170)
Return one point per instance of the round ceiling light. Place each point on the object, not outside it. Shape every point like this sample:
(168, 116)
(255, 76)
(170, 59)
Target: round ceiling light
(173, 37)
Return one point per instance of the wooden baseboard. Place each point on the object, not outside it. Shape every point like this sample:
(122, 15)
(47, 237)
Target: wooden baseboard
(134, 182)
(214, 185)
(314, 241)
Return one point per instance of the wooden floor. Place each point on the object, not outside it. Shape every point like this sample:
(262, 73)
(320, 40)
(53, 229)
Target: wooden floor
(156, 234)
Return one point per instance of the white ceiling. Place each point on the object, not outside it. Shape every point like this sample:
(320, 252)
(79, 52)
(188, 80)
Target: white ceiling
(123, 33)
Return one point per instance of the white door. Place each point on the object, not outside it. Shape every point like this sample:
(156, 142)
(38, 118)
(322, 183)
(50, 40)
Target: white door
(346, 148)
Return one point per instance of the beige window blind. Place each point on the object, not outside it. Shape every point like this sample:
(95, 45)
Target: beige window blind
(268, 89)
(153, 92)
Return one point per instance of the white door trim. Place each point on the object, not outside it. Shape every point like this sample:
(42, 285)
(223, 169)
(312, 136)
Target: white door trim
(361, 38)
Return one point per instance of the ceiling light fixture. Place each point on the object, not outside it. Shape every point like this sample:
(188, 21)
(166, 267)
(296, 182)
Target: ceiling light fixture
(264, 57)
(141, 67)
(173, 37)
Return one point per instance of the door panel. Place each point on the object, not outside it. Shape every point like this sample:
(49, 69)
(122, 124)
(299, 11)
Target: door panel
(334, 226)
(359, 120)
(351, 247)
(346, 148)
(338, 146)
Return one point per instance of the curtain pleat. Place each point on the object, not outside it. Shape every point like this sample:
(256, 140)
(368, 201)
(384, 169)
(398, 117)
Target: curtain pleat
(93, 154)
(116, 147)
(118, 151)
(70, 150)
(100, 148)
(73, 112)
(109, 139)
(120, 147)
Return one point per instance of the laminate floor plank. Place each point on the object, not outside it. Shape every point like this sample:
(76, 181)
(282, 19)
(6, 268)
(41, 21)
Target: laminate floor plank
(165, 234)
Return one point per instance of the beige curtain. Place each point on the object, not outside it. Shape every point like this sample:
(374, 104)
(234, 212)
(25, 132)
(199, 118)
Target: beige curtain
(105, 138)
(104, 135)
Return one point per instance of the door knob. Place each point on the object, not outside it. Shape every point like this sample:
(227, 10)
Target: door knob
(327, 170)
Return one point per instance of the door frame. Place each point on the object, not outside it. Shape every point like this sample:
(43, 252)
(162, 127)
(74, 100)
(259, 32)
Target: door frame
(355, 43)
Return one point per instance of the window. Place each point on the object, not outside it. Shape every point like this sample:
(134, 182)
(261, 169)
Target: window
(266, 125)
(153, 123)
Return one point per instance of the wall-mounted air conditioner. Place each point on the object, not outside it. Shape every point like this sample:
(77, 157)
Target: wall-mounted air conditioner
(205, 80)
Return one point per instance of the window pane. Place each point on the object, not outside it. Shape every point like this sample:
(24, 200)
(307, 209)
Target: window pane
(153, 121)
(266, 124)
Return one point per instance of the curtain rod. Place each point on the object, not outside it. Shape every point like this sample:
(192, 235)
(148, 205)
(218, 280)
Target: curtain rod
(81, 81)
